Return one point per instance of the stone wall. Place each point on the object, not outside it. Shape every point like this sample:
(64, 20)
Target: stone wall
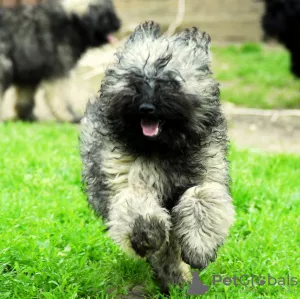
(224, 20)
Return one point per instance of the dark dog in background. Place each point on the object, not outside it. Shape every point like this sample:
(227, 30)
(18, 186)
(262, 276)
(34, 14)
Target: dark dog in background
(154, 146)
(281, 21)
(44, 41)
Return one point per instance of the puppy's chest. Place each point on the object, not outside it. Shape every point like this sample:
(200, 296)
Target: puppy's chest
(169, 180)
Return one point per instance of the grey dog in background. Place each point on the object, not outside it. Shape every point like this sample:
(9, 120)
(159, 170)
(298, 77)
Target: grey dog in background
(44, 41)
(154, 146)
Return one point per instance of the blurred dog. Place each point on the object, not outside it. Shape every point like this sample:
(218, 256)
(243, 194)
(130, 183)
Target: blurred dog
(281, 21)
(154, 148)
(45, 41)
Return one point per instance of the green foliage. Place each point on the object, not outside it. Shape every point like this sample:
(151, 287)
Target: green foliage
(255, 76)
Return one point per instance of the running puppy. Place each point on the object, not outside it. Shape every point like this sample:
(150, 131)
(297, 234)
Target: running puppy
(154, 146)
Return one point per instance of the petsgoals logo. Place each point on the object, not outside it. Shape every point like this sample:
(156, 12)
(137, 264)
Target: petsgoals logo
(198, 288)
(254, 280)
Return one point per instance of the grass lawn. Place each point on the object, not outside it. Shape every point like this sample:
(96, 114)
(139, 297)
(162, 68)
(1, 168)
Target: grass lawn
(256, 76)
(52, 246)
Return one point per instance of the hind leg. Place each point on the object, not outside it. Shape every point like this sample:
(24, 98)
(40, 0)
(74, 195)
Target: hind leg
(25, 103)
(6, 71)
(1, 99)
(168, 265)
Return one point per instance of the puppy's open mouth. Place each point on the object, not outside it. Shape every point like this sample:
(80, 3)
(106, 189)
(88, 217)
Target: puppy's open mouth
(151, 128)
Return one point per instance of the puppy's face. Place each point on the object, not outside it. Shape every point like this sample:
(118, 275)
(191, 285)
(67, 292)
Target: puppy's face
(154, 99)
(98, 15)
(104, 21)
(152, 109)
(158, 107)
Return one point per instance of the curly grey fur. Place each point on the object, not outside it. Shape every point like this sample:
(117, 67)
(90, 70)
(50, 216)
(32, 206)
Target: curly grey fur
(164, 198)
(44, 41)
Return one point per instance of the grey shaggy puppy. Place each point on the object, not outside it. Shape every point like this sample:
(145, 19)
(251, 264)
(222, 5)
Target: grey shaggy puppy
(154, 148)
(44, 41)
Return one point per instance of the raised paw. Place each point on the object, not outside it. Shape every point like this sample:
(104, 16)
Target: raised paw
(148, 235)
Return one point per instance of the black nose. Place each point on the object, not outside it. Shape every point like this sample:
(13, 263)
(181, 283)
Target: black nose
(147, 108)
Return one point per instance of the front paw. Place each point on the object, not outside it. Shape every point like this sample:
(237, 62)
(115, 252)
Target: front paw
(148, 235)
(197, 258)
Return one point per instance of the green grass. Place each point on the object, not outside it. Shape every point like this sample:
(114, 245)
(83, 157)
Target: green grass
(255, 76)
(52, 246)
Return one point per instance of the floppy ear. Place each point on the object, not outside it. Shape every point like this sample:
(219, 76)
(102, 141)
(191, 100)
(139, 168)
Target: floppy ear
(93, 16)
(191, 48)
(145, 30)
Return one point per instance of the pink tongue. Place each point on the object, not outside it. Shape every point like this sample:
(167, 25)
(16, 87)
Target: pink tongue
(111, 39)
(150, 128)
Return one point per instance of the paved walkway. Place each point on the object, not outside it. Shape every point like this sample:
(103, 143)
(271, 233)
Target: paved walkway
(267, 130)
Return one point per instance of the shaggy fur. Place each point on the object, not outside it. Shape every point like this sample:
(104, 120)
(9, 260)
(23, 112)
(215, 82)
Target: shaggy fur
(164, 197)
(281, 21)
(45, 41)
